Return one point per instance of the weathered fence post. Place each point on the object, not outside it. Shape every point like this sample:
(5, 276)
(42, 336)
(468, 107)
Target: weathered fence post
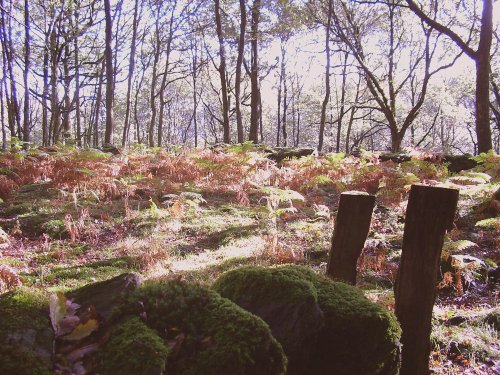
(351, 228)
(429, 215)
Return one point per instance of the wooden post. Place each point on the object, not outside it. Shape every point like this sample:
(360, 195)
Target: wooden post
(429, 215)
(351, 229)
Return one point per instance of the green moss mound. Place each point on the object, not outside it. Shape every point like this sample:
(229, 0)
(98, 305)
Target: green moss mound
(208, 334)
(25, 334)
(133, 349)
(358, 336)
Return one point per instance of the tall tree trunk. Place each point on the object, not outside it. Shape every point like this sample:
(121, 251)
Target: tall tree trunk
(131, 67)
(45, 94)
(194, 48)
(285, 99)
(222, 74)
(154, 78)
(66, 112)
(55, 118)
(100, 73)
(324, 105)
(108, 53)
(10, 119)
(13, 103)
(239, 63)
(27, 51)
(342, 102)
(255, 101)
(77, 83)
(481, 59)
(2, 116)
(483, 129)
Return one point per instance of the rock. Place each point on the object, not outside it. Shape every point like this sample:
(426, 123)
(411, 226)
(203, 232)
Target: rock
(466, 180)
(26, 337)
(394, 157)
(169, 199)
(278, 154)
(457, 163)
(133, 349)
(207, 334)
(4, 239)
(493, 319)
(456, 320)
(106, 295)
(466, 263)
(107, 147)
(295, 320)
(355, 336)
(494, 275)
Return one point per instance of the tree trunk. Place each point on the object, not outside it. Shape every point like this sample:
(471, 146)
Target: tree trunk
(222, 73)
(285, 93)
(483, 130)
(351, 228)
(45, 94)
(66, 119)
(27, 50)
(98, 104)
(429, 215)
(239, 63)
(324, 105)
(131, 66)
(108, 54)
(77, 84)
(55, 118)
(255, 102)
(2, 116)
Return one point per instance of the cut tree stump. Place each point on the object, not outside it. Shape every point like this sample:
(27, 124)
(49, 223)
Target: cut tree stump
(429, 215)
(351, 228)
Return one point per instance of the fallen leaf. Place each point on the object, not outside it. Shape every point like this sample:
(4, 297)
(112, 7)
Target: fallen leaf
(82, 330)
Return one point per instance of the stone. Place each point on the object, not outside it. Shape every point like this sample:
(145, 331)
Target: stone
(339, 330)
(206, 334)
(106, 295)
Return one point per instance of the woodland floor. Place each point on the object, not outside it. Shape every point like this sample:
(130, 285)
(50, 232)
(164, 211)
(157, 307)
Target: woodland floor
(74, 217)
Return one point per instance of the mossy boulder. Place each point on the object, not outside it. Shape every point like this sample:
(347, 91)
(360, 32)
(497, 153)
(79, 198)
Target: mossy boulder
(207, 334)
(106, 296)
(357, 336)
(55, 229)
(288, 304)
(25, 333)
(133, 349)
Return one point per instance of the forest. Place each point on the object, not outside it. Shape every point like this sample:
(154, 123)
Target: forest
(254, 187)
(332, 75)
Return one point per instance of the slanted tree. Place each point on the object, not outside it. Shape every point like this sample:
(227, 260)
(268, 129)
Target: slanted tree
(481, 58)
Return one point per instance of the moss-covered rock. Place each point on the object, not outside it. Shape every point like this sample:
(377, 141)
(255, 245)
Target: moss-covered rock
(25, 333)
(288, 304)
(209, 334)
(358, 337)
(133, 349)
(55, 229)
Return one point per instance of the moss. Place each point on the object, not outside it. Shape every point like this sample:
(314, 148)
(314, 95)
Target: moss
(359, 337)
(25, 335)
(55, 228)
(213, 335)
(13, 360)
(19, 209)
(23, 308)
(133, 349)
